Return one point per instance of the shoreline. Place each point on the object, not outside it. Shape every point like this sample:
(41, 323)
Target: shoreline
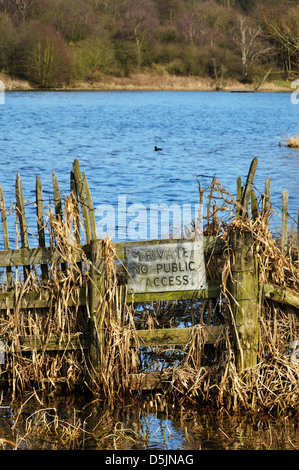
(147, 82)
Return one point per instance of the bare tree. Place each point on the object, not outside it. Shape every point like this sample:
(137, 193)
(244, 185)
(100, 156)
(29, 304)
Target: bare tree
(249, 40)
(42, 57)
(189, 28)
(19, 8)
(282, 28)
(136, 19)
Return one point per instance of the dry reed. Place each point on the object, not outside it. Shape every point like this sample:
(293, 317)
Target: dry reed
(119, 360)
(293, 141)
(208, 374)
(195, 371)
(42, 367)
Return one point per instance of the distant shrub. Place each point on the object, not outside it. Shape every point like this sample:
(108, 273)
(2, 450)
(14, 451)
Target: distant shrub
(8, 37)
(42, 57)
(168, 35)
(176, 67)
(94, 58)
(126, 57)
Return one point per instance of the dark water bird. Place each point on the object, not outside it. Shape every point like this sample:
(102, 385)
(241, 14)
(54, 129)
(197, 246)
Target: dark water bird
(157, 149)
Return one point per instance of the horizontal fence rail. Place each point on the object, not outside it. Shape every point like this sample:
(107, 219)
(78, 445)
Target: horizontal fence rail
(87, 254)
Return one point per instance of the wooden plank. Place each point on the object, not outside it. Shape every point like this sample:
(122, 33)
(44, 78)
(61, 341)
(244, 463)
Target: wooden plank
(281, 295)
(153, 380)
(36, 256)
(20, 208)
(149, 381)
(211, 245)
(213, 290)
(163, 337)
(5, 233)
(40, 222)
(29, 256)
(73, 341)
(82, 198)
(41, 299)
(174, 336)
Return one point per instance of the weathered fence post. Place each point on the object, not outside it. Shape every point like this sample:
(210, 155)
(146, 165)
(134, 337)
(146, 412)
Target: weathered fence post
(266, 198)
(83, 199)
(40, 222)
(96, 300)
(246, 193)
(243, 297)
(239, 196)
(5, 233)
(284, 221)
(20, 208)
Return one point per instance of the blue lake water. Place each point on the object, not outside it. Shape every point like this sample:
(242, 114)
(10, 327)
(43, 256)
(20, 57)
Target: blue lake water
(113, 134)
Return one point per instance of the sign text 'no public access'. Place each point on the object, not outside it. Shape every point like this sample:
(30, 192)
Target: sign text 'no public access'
(173, 266)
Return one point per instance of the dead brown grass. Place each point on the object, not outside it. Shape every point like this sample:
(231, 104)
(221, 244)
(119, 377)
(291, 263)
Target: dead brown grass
(207, 374)
(194, 372)
(293, 142)
(42, 367)
(161, 80)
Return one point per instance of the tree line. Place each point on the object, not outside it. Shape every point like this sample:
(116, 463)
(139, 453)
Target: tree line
(54, 42)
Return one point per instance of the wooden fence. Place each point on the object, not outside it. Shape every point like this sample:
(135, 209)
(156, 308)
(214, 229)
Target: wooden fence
(242, 291)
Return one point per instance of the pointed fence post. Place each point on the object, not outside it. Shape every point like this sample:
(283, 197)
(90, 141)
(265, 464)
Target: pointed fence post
(40, 222)
(96, 307)
(76, 223)
(248, 187)
(83, 199)
(266, 198)
(243, 298)
(20, 208)
(58, 206)
(239, 196)
(5, 233)
(90, 207)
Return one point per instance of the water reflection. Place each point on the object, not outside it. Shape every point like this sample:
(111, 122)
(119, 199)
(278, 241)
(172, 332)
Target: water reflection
(79, 423)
